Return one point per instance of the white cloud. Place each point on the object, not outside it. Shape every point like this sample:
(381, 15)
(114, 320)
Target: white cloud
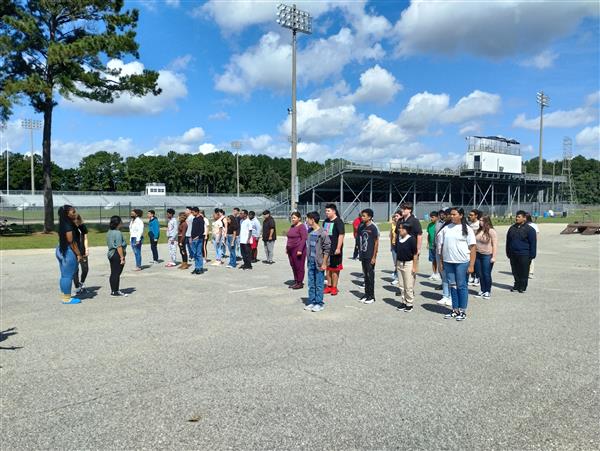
(564, 118)
(588, 139)
(172, 84)
(543, 60)
(219, 116)
(470, 128)
(193, 135)
(207, 148)
(188, 142)
(69, 154)
(173, 3)
(316, 123)
(377, 85)
(422, 109)
(260, 142)
(475, 105)
(493, 29)
(180, 63)
(378, 132)
(321, 59)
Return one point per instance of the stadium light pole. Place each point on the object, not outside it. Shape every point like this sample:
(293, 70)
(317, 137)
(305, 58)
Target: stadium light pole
(31, 125)
(237, 145)
(298, 21)
(544, 101)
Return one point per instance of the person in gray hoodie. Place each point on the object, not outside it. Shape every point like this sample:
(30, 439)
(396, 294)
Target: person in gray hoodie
(318, 247)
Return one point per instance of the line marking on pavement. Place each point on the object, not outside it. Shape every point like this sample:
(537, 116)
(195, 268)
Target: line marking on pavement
(351, 306)
(247, 289)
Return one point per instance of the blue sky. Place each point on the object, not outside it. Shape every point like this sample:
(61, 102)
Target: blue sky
(378, 80)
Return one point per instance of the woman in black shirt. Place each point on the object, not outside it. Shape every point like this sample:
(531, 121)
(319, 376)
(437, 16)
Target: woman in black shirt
(82, 244)
(67, 251)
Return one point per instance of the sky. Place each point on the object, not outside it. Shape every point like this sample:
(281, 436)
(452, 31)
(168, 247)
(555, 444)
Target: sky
(384, 81)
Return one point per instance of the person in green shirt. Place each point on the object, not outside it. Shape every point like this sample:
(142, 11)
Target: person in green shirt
(116, 255)
(433, 216)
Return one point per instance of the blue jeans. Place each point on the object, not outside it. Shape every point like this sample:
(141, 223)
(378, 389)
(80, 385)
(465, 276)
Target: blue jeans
(457, 279)
(196, 246)
(188, 242)
(393, 250)
(316, 283)
(483, 268)
(218, 248)
(444, 276)
(137, 251)
(68, 265)
(232, 250)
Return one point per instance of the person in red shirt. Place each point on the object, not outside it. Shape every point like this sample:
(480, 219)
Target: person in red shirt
(355, 224)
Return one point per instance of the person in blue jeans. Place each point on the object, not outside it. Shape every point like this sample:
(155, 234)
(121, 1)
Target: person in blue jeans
(136, 234)
(67, 251)
(318, 247)
(487, 248)
(457, 241)
(197, 237)
(233, 232)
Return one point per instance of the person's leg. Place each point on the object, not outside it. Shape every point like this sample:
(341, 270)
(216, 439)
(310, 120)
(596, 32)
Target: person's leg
(115, 272)
(76, 277)
(372, 280)
(173, 251)
(271, 248)
(450, 269)
(188, 243)
(395, 275)
(433, 261)
(232, 251)
(301, 267)
(292, 264)
(514, 271)
(355, 252)
(85, 268)
(485, 272)
(523, 266)
(531, 268)
(154, 246)
(68, 264)
(462, 288)
(312, 283)
(183, 252)
(205, 248)
(478, 269)
(319, 282)
(408, 279)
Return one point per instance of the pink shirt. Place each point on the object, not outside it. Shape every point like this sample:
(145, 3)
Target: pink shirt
(484, 243)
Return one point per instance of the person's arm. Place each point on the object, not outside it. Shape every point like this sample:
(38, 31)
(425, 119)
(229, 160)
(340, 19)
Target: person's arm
(440, 237)
(508, 243)
(86, 245)
(532, 236)
(303, 238)
(73, 244)
(326, 247)
(415, 266)
(472, 255)
(375, 250)
(271, 231)
(340, 243)
(494, 238)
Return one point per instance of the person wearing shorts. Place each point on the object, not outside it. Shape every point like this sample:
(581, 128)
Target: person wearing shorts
(334, 227)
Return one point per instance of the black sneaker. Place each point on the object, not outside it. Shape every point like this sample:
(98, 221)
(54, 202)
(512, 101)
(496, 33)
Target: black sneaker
(513, 289)
(408, 308)
(451, 315)
(401, 307)
(461, 316)
(118, 294)
(521, 291)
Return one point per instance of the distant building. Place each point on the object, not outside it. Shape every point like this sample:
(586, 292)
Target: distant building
(156, 189)
(494, 154)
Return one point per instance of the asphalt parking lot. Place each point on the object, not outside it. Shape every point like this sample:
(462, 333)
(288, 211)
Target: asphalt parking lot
(230, 359)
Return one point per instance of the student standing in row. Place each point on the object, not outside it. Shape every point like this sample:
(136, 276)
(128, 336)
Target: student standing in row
(83, 245)
(521, 248)
(296, 249)
(206, 236)
(245, 240)
(407, 266)
(153, 234)
(189, 218)
(473, 222)
(443, 221)
(334, 226)
(116, 255)
(182, 240)
(136, 236)
(67, 251)
(457, 241)
(255, 235)
(535, 227)
(393, 241)
(172, 234)
(318, 252)
(433, 216)
(355, 225)
(197, 241)
(487, 248)
(368, 235)
(233, 233)
(269, 235)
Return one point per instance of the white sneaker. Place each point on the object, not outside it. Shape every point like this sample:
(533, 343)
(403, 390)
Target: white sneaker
(309, 306)
(478, 295)
(486, 296)
(443, 300)
(448, 302)
(395, 282)
(368, 301)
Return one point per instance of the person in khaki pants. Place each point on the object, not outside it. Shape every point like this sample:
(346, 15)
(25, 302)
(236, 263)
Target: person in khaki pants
(407, 262)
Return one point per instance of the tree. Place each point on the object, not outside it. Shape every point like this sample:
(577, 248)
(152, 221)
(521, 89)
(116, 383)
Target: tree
(101, 171)
(49, 46)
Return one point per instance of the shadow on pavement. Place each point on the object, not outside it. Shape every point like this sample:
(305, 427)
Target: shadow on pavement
(436, 308)
(391, 302)
(502, 286)
(128, 290)
(89, 293)
(4, 335)
(430, 295)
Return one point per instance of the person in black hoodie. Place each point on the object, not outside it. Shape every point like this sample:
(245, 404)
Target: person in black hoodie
(521, 248)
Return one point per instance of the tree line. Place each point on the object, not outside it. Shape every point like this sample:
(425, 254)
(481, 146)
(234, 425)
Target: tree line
(216, 173)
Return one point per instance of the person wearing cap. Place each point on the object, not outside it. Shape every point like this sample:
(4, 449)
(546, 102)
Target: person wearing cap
(269, 235)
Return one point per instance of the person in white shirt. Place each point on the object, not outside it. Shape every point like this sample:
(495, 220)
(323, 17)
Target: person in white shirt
(188, 232)
(473, 221)
(136, 235)
(245, 240)
(206, 233)
(256, 229)
(172, 229)
(219, 234)
(458, 252)
(535, 227)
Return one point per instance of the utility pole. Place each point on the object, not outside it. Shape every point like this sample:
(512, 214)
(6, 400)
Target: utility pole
(544, 101)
